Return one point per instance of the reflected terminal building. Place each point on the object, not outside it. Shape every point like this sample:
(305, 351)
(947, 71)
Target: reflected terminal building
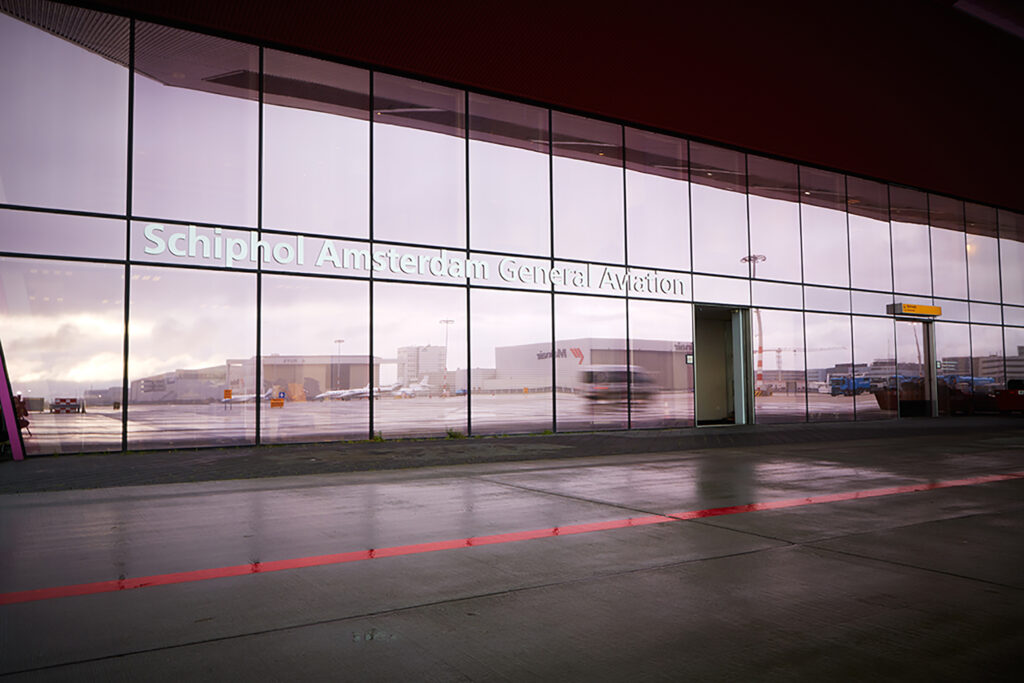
(216, 231)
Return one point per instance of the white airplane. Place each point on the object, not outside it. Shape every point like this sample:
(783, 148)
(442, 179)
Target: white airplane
(410, 390)
(361, 392)
(344, 394)
(245, 398)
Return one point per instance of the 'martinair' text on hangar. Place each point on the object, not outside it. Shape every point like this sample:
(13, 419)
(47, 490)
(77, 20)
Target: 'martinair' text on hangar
(205, 241)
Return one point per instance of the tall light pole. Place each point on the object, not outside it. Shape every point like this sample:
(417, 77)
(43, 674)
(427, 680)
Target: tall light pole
(447, 322)
(339, 342)
(753, 260)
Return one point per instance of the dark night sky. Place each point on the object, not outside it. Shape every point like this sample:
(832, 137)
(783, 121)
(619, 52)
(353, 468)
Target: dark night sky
(912, 91)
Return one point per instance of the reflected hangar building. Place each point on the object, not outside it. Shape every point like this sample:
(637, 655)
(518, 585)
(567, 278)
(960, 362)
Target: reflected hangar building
(211, 215)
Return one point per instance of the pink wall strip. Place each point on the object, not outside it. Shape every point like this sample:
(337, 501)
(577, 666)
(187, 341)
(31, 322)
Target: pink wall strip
(7, 405)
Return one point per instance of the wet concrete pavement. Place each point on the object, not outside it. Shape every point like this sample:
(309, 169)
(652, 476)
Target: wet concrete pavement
(873, 551)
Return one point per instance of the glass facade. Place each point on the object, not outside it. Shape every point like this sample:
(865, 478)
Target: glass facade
(206, 242)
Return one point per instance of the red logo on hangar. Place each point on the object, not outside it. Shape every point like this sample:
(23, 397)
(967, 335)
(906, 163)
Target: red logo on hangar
(576, 352)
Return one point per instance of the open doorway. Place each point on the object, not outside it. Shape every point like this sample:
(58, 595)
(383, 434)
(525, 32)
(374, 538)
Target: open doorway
(915, 374)
(722, 368)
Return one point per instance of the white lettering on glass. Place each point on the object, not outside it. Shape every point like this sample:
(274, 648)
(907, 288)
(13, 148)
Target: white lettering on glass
(206, 244)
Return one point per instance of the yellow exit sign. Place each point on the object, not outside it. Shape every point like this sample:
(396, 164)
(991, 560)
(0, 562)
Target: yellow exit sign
(914, 309)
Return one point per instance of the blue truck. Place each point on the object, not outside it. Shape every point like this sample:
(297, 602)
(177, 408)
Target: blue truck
(846, 385)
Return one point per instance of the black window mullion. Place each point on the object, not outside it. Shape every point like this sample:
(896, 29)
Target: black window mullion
(371, 382)
(128, 233)
(258, 388)
(551, 258)
(469, 335)
(625, 260)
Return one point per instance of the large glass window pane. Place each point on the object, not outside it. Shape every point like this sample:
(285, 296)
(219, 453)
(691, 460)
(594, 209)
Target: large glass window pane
(509, 177)
(774, 219)
(657, 200)
(779, 378)
(982, 252)
(316, 146)
(196, 122)
(777, 295)
(62, 330)
(910, 249)
(512, 361)
(315, 345)
(1013, 315)
(1011, 256)
(419, 162)
(986, 313)
(949, 247)
(870, 251)
(954, 310)
(588, 187)
(874, 357)
(871, 303)
(591, 376)
(718, 205)
(954, 381)
(823, 221)
(987, 365)
(59, 234)
(192, 358)
(64, 108)
(419, 334)
(661, 378)
(721, 290)
(832, 379)
(827, 299)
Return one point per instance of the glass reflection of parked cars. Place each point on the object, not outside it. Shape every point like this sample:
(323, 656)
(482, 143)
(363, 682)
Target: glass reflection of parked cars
(616, 382)
(965, 393)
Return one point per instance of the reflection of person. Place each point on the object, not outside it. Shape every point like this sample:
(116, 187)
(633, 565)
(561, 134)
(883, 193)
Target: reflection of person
(21, 413)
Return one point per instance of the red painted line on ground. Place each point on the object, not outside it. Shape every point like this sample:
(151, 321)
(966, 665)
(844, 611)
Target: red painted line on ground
(511, 537)
(838, 497)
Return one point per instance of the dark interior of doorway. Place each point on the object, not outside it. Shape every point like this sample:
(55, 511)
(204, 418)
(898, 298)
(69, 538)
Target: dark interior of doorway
(716, 365)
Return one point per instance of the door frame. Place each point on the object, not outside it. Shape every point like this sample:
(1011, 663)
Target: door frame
(742, 368)
(928, 362)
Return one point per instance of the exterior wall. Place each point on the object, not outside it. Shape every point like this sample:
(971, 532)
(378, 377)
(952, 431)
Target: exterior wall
(490, 228)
